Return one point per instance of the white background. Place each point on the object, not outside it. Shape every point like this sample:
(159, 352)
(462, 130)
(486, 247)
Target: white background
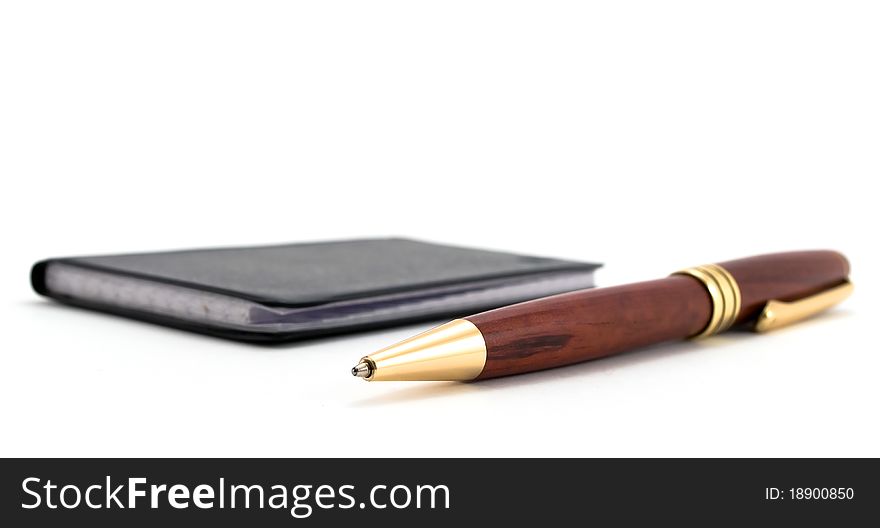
(647, 135)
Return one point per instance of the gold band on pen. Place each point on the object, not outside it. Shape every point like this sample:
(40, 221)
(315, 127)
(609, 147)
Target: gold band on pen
(725, 295)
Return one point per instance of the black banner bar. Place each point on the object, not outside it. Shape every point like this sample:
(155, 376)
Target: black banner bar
(404, 492)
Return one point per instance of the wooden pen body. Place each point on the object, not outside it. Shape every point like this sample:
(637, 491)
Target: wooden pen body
(590, 324)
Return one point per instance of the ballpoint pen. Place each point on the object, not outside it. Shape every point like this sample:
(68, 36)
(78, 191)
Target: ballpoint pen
(767, 292)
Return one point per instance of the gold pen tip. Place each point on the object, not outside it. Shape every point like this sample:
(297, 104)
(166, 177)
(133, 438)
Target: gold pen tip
(361, 370)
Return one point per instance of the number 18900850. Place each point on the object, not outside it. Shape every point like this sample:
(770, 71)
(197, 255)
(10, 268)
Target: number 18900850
(821, 493)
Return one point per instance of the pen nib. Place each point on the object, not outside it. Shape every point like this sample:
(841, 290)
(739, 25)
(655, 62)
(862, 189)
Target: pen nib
(361, 370)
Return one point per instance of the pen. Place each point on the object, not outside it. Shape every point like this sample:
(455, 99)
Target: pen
(767, 292)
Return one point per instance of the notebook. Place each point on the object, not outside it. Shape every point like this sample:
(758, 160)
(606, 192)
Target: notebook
(293, 291)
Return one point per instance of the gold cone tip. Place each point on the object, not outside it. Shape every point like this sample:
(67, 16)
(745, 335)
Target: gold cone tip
(455, 351)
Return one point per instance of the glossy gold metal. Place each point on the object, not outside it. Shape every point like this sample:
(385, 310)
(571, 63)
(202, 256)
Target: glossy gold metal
(777, 314)
(724, 292)
(455, 351)
(730, 293)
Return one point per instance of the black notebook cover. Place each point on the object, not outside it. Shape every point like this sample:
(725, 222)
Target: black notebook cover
(287, 292)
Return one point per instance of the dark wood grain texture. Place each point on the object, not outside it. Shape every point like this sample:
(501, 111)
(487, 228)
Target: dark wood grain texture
(590, 324)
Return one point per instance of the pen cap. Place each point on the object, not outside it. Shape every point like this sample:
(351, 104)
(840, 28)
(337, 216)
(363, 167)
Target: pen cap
(785, 277)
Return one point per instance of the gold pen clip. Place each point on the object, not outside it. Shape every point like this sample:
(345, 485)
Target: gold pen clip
(777, 314)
